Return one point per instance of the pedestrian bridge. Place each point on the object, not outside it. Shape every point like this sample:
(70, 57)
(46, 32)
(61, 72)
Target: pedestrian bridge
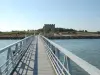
(37, 55)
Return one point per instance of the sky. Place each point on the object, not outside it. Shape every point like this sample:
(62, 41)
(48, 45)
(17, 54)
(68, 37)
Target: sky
(33, 14)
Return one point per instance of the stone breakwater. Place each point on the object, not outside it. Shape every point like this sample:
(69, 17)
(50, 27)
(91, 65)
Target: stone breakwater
(52, 37)
(12, 36)
(73, 37)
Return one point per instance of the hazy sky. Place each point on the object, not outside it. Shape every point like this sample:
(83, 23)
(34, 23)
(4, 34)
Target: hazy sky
(32, 14)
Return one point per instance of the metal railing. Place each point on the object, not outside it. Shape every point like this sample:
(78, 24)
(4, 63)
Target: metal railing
(54, 52)
(14, 53)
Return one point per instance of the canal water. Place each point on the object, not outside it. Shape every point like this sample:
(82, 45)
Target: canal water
(87, 49)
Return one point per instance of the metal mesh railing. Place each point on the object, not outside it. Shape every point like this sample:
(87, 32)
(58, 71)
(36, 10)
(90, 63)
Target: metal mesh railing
(55, 53)
(14, 53)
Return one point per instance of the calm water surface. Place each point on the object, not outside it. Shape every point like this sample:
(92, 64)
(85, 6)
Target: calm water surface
(4, 43)
(87, 49)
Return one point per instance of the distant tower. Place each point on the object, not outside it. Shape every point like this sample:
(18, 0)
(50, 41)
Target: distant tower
(49, 28)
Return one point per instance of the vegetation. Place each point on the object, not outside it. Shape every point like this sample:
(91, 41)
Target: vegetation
(82, 31)
(69, 31)
(39, 31)
(98, 32)
(57, 31)
(64, 30)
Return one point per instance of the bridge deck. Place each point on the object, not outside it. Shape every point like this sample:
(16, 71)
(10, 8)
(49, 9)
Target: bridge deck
(35, 61)
(44, 66)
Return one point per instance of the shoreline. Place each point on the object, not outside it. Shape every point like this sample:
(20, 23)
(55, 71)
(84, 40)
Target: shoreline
(55, 37)
(12, 37)
(73, 37)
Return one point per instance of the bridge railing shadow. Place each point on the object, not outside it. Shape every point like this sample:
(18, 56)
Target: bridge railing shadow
(29, 63)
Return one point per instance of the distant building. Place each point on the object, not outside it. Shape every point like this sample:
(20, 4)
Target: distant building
(49, 28)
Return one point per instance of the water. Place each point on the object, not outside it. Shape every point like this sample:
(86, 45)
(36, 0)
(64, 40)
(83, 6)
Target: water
(87, 49)
(4, 43)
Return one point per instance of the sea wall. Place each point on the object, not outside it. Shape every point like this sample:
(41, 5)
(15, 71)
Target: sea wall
(73, 37)
(12, 36)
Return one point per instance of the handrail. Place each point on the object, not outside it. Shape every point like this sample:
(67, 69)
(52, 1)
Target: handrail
(4, 49)
(90, 69)
(15, 52)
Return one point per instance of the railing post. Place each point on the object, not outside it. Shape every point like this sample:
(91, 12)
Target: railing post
(8, 55)
(20, 45)
(57, 52)
(16, 47)
(48, 44)
(53, 49)
(24, 44)
(69, 65)
(65, 64)
(12, 60)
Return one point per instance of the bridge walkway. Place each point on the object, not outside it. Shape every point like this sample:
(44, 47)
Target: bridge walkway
(44, 66)
(35, 61)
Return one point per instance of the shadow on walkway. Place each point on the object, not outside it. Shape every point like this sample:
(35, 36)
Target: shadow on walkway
(29, 63)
